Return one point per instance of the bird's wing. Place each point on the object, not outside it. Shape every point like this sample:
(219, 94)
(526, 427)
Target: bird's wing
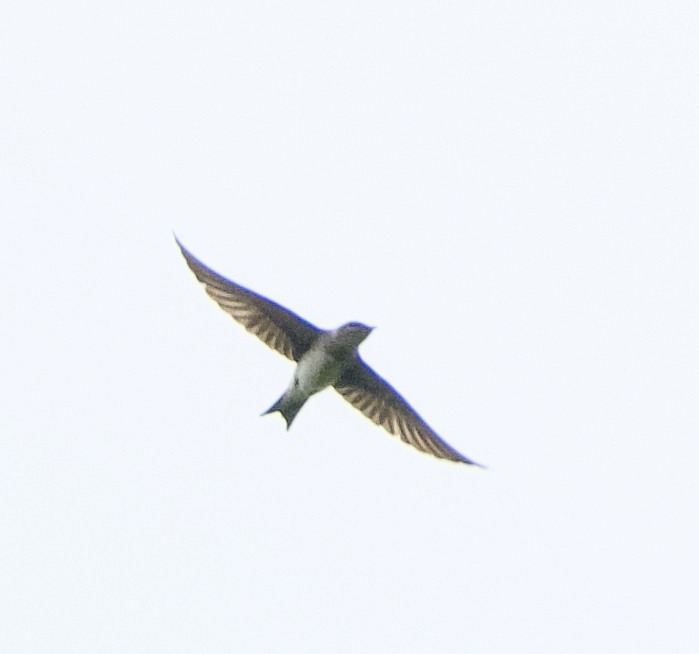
(274, 325)
(365, 390)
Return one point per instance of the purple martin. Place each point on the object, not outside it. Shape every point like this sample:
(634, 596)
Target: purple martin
(323, 358)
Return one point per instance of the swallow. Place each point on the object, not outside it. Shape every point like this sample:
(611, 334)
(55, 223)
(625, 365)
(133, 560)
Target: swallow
(323, 358)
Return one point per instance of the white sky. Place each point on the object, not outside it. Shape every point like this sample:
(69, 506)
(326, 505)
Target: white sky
(508, 190)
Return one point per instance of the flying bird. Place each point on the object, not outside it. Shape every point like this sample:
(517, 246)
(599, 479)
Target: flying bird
(323, 358)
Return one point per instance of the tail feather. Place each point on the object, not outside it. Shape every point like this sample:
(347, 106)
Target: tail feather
(288, 407)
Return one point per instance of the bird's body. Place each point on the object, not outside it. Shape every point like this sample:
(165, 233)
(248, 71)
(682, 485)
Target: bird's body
(317, 369)
(323, 358)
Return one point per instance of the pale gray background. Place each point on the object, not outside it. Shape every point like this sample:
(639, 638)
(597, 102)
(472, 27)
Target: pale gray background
(508, 190)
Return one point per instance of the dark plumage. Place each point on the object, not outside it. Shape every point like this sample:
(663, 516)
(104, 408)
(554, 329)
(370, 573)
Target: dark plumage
(324, 358)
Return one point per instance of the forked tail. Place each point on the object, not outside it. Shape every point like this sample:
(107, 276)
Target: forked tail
(288, 407)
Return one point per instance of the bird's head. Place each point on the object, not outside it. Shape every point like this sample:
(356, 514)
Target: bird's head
(353, 333)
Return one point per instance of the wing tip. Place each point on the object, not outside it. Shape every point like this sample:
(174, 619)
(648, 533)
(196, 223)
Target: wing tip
(189, 257)
(470, 462)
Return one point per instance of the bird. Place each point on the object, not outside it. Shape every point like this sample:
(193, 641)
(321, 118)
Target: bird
(323, 358)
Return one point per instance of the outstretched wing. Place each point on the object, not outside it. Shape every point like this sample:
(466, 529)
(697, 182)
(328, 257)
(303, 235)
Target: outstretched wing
(277, 327)
(379, 401)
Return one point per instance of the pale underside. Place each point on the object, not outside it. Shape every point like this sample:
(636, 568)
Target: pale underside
(292, 336)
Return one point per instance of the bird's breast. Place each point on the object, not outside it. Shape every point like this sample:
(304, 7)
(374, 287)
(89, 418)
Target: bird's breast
(316, 370)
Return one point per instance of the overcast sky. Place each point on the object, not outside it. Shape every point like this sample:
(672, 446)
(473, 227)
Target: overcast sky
(508, 190)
